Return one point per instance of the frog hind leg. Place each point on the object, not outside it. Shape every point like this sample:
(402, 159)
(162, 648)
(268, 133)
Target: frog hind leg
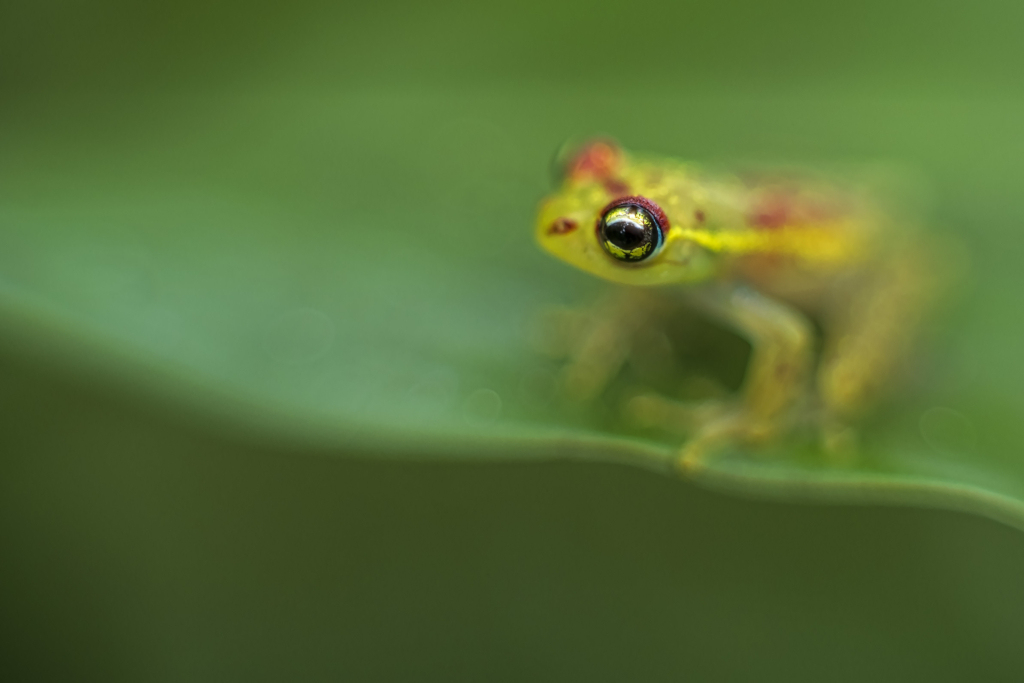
(777, 378)
(868, 337)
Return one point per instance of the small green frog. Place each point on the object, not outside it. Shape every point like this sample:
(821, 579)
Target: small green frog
(764, 255)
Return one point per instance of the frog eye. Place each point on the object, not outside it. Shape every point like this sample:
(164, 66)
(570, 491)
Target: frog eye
(632, 228)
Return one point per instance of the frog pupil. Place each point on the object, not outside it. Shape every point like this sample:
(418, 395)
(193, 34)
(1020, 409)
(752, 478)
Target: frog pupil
(625, 234)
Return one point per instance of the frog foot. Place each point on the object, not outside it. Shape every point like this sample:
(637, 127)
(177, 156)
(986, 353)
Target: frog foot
(712, 425)
(732, 428)
(653, 411)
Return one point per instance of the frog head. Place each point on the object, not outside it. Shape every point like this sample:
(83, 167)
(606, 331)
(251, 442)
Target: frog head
(623, 219)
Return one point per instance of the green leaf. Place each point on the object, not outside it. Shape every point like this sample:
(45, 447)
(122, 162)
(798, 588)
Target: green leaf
(355, 269)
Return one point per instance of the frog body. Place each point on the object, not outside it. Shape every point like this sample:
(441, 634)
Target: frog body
(762, 254)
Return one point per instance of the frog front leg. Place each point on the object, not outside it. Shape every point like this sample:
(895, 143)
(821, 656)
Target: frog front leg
(603, 340)
(777, 377)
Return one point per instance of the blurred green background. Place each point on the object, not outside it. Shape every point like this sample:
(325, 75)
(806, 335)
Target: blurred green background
(239, 241)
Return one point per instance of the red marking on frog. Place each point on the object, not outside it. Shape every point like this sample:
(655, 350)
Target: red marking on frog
(615, 186)
(562, 226)
(599, 159)
(785, 208)
(773, 211)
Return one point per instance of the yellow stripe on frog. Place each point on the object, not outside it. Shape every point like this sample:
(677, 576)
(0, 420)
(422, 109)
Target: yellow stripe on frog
(828, 243)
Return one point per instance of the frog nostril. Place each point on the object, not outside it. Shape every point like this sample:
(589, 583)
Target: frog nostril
(562, 226)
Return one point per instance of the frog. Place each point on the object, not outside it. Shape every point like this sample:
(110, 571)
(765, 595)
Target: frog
(827, 282)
